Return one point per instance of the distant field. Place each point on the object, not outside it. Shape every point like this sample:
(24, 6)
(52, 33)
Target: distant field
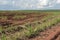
(23, 25)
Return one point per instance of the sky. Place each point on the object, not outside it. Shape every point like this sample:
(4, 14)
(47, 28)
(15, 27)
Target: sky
(29, 4)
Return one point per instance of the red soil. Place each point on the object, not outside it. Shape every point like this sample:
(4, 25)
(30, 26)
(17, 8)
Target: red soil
(28, 18)
(49, 34)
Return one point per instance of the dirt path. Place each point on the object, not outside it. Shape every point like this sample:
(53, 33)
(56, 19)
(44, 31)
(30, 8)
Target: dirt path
(49, 34)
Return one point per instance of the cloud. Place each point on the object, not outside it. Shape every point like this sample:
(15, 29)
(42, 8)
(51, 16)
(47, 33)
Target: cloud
(6, 2)
(52, 3)
(13, 2)
(42, 2)
(3, 2)
(58, 1)
(30, 4)
(34, 4)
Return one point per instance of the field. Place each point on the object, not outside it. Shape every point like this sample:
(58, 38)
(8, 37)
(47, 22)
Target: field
(30, 25)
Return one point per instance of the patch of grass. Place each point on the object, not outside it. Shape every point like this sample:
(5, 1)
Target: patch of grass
(3, 37)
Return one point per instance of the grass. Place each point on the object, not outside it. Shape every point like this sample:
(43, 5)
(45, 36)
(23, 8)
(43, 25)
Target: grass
(31, 31)
(3, 37)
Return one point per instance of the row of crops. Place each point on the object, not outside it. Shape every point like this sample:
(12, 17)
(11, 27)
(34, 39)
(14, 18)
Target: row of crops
(30, 30)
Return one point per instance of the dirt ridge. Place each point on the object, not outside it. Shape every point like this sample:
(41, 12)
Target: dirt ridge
(49, 34)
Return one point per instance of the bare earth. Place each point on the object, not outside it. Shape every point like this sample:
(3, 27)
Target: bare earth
(49, 34)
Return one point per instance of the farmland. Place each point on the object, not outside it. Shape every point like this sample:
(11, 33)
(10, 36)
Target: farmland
(28, 25)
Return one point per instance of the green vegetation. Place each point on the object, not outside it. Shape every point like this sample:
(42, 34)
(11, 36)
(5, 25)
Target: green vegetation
(3, 37)
(16, 25)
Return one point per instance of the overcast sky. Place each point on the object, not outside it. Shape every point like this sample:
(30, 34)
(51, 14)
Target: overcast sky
(29, 4)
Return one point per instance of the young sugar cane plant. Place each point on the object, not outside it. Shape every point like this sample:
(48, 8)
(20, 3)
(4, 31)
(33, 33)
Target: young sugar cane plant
(48, 24)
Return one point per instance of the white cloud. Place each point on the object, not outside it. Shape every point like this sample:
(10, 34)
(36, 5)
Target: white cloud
(30, 4)
(13, 2)
(3, 2)
(7, 2)
(58, 1)
(43, 2)
(52, 3)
